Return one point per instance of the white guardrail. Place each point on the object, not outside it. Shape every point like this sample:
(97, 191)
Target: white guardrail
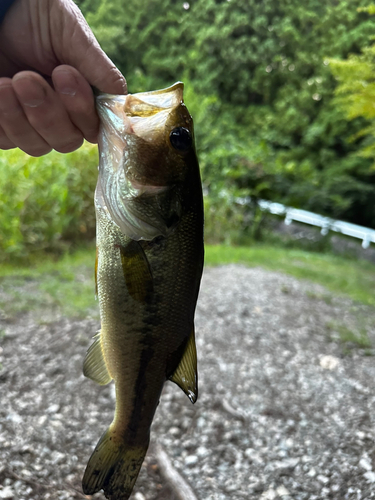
(365, 234)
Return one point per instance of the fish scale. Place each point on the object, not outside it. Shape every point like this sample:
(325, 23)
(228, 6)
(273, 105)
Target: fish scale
(149, 209)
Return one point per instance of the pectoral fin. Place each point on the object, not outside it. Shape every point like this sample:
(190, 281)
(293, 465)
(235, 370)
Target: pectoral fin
(94, 366)
(186, 374)
(137, 272)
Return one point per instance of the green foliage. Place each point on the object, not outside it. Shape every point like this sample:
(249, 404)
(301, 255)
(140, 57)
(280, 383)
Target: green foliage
(49, 287)
(370, 9)
(46, 203)
(260, 88)
(267, 124)
(356, 94)
(349, 338)
(66, 286)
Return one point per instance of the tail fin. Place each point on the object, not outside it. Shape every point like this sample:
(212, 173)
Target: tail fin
(113, 467)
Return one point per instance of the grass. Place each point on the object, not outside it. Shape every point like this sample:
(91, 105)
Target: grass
(349, 338)
(67, 285)
(64, 286)
(319, 296)
(354, 278)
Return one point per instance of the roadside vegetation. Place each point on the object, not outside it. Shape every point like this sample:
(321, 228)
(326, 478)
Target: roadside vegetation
(262, 83)
(66, 285)
(281, 94)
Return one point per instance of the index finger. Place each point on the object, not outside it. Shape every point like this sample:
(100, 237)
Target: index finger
(77, 96)
(45, 112)
(75, 44)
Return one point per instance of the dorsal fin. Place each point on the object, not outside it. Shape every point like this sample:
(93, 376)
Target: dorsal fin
(186, 374)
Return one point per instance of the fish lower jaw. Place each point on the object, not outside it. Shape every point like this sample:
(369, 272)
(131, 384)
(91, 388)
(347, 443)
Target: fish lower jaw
(147, 188)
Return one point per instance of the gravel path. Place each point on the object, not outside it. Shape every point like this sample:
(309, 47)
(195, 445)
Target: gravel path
(286, 407)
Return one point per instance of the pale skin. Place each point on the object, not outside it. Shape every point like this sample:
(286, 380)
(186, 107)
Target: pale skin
(49, 59)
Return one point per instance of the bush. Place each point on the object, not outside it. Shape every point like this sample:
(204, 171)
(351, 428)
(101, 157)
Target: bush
(46, 203)
(266, 65)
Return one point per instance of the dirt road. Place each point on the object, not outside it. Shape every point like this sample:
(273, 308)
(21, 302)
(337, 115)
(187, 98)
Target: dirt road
(286, 407)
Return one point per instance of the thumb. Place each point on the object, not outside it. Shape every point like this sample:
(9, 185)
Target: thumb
(75, 44)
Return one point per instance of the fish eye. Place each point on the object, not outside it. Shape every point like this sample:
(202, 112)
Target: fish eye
(181, 139)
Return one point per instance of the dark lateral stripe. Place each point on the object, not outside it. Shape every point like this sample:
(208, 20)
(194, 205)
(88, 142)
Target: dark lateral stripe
(140, 404)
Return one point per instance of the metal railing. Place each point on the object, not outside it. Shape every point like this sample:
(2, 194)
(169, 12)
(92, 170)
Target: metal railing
(326, 224)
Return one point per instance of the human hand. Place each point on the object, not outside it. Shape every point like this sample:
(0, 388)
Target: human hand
(49, 58)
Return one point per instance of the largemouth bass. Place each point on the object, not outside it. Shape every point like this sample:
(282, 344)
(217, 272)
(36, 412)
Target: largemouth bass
(149, 212)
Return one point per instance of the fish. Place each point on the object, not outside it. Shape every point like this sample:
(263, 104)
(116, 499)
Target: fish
(150, 253)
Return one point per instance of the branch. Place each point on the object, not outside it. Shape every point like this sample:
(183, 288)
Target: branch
(176, 482)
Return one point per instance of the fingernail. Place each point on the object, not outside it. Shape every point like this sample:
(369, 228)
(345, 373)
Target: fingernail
(29, 92)
(66, 83)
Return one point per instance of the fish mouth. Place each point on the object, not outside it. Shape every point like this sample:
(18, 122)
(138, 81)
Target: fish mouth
(143, 114)
(149, 103)
(129, 122)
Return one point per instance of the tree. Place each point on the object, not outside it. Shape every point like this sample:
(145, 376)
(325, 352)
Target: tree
(265, 64)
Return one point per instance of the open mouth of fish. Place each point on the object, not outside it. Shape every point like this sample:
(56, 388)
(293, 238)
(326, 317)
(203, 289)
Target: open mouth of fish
(141, 153)
(143, 115)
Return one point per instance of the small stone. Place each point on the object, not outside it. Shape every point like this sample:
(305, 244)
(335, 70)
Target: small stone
(139, 496)
(191, 460)
(175, 431)
(56, 423)
(365, 464)
(202, 451)
(370, 476)
(323, 479)
(230, 488)
(14, 417)
(53, 408)
(329, 362)
(57, 457)
(270, 494)
(289, 442)
(7, 492)
(42, 420)
(286, 465)
(282, 491)
(312, 472)
(201, 422)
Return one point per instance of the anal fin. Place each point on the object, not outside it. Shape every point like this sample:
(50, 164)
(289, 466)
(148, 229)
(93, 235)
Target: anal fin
(94, 366)
(186, 374)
